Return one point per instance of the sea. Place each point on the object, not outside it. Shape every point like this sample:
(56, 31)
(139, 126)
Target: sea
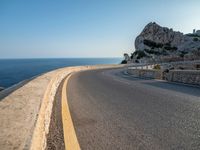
(13, 71)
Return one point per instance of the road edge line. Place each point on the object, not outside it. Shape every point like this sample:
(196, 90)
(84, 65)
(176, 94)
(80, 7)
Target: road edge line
(70, 138)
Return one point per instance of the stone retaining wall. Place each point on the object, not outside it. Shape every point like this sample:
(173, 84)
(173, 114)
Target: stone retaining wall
(184, 76)
(146, 73)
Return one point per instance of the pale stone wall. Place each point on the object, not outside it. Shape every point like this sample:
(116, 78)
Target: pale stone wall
(146, 73)
(181, 76)
(186, 65)
(184, 76)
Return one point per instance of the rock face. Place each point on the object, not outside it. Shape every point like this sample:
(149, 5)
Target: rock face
(162, 35)
(161, 42)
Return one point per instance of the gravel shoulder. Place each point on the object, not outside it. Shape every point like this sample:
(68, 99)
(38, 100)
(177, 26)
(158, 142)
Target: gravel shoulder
(55, 137)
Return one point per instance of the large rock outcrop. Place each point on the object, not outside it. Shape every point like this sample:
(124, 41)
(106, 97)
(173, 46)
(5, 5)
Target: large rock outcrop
(161, 42)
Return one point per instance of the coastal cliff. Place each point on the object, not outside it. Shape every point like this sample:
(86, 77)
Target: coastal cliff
(161, 44)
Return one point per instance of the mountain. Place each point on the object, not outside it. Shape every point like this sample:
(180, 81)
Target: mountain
(157, 43)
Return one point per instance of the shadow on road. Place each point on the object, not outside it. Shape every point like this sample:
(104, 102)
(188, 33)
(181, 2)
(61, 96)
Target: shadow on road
(195, 91)
(172, 86)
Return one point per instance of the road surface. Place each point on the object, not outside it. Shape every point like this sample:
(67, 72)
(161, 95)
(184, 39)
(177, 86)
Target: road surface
(112, 110)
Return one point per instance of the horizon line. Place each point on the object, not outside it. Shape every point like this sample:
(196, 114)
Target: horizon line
(60, 57)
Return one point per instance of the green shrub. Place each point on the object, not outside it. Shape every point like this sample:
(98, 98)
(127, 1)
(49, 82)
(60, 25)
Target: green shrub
(153, 44)
(193, 35)
(152, 52)
(195, 39)
(124, 62)
(181, 55)
(198, 66)
(180, 68)
(136, 61)
(140, 54)
(170, 48)
(157, 67)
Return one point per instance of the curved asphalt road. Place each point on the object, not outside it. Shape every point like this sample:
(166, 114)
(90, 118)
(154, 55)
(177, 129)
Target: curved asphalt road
(112, 111)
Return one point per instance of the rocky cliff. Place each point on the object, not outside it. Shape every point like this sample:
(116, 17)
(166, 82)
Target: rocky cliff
(163, 44)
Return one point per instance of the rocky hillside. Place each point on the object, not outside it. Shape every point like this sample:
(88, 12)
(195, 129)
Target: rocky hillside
(156, 43)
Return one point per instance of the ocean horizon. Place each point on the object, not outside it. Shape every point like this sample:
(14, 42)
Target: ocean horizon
(15, 70)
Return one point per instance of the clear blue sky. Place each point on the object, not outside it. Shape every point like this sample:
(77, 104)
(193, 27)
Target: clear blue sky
(86, 28)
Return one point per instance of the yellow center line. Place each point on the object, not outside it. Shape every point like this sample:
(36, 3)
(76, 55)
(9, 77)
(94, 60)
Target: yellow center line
(70, 138)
